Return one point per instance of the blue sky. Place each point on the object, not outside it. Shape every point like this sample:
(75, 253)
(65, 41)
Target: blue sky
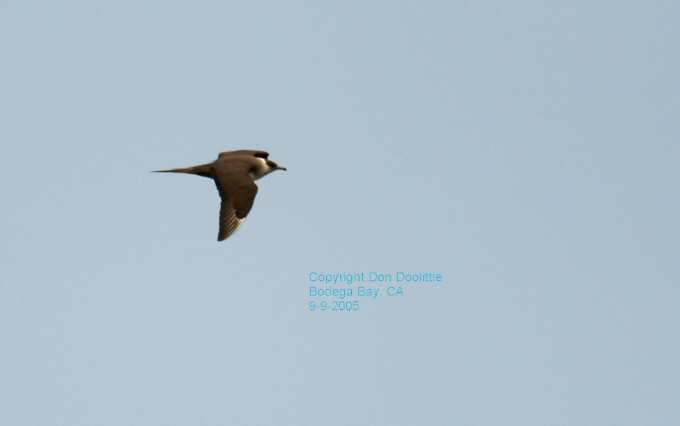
(527, 151)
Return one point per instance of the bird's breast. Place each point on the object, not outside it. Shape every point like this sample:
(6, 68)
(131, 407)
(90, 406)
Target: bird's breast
(260, 169)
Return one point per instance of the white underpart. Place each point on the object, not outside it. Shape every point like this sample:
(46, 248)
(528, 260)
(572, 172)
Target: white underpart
(238, 225)
(259, 174)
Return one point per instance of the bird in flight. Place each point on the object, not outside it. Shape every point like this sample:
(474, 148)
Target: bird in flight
(234, 173)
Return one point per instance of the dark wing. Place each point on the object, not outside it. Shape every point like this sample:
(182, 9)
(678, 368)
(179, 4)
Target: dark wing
(250, 153)
(237, 191)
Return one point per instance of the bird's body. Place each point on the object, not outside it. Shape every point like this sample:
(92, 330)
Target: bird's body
(234, 173)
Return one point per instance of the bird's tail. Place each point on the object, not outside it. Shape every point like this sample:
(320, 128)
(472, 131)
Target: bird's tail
(202, 170)
(180, 170)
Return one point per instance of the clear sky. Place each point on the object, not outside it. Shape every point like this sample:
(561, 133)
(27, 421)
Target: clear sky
(528, 151)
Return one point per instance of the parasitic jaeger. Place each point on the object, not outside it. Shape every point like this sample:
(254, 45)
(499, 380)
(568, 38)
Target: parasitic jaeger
(234, 173)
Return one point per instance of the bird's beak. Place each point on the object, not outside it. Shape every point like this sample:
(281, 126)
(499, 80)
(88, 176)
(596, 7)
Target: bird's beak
(282, 168)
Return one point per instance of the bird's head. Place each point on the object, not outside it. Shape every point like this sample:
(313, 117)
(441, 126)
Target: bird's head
(274, 166)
